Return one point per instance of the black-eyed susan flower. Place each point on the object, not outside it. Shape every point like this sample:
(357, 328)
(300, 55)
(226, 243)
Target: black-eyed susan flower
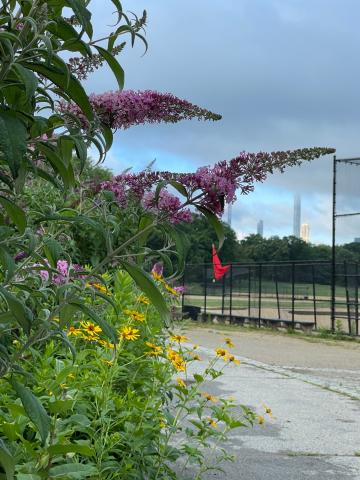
(268, 411)
(232, 359)
(156, 349)
(98, 286)
(91, 329)
(212, 422)
(178, 338)
(143, 299)
(209, 397)
(221, 352)
(74, 331)
(135, 315)
(171, 290)
(129, 333)
(229, 342)
(261, 420)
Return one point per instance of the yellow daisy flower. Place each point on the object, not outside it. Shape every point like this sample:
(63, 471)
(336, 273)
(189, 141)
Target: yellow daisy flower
(212, 422)
(106, 344)
(261, 420)
(179, 364)
(232, 359)
(229, 342)
(156, 349)
(135, 315)
(91, 329)
(181, 382)
(99, 286)
(221, 352)
(129, 333)
(74, 331)
(171, 354)
(143, 299)
(209, 397)
(171, 290)
(178, 338)
(268, 411)
(156, 276)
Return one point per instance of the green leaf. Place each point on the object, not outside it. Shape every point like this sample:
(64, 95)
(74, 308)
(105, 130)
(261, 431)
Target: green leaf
(214, 222)
(12, 140)
(75, 471)
(148, 286)
(7, 461)
(22, 314)
(8, 263)
(28, 79)
(34, 409)
(74, 89)
(82, 14)
(179, 187)
(53, 250)
(71, 448)
(107, 329)
(16, 214)
(27, 476)
(66, 172)
(114, 65)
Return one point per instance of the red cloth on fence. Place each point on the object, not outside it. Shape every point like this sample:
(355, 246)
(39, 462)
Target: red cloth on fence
(219, 270)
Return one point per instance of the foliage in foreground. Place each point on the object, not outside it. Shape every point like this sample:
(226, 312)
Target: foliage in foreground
(117, 412)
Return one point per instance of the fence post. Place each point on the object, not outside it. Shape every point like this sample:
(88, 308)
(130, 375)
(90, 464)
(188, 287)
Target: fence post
(223, 296)
(277, 290)
(249, 292)
(293, 294)
(357, 298)
(347, 297)
(183, 295)
(205, 290)
(314, 294)
(260, 286)
(333, 250)
(231, 291)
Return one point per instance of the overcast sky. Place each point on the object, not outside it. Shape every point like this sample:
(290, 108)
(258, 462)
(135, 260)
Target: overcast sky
(283, 73)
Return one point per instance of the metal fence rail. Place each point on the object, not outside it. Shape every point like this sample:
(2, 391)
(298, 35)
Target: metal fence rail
(290, 293)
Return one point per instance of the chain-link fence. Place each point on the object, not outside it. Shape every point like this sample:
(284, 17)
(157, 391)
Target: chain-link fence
(292, 294)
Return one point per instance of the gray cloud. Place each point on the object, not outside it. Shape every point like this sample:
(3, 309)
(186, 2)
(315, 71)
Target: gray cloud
(284, 74)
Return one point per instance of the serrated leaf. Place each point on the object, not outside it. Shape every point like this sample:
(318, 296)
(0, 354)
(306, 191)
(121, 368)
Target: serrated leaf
(34, 409)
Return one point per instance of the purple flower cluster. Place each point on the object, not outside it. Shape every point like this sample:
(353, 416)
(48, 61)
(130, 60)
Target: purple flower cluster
(169, 205)
(63, 272)
(212, 186)
(123, 109)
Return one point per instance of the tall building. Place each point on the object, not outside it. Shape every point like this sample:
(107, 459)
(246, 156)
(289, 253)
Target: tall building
(305, 232)
(260, 228)
(229, 214)
(297, 216)
(357, 239)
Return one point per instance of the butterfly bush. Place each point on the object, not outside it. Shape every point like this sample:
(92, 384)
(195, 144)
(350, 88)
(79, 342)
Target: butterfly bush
(123, 109)
(210, 186)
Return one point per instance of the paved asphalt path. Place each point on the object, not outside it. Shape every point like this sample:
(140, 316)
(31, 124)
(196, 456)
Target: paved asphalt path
(314, 392)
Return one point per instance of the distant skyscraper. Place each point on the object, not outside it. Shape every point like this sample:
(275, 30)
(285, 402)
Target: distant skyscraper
(229, 212)
(297, 216)
(305, 232)
(357, 239)
(260, 228)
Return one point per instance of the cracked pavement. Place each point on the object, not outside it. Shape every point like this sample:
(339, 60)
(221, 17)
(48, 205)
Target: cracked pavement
(313, 389)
